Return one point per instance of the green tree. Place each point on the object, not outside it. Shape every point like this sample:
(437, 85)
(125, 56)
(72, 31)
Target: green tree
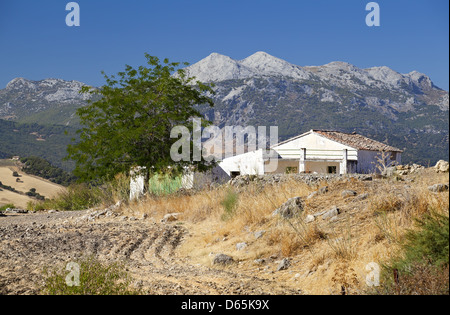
(130, 121)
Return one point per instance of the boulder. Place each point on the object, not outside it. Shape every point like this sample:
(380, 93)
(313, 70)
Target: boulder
(259, 234)
(310, 218)
(291, 208)
(442, 166)
(361, 197)
(389, 171)
(348, 193)
(333, 212)
(322, 190)
(438, 188)
(170, 217)
(284, 264)
(222, 259)
(241, 246)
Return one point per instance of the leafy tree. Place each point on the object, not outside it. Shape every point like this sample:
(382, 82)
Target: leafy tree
(130, 123)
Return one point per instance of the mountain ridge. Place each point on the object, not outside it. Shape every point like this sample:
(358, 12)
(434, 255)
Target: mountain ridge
(406, 110)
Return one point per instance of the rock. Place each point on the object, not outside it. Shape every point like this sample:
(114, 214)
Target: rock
(333, 212)
(241, 246)
(291, 208)
(348, 193)
(259, 234)
(14, 210)
(312, 195)
(438, 188)
(361, 197)
(320, 191)
(323, 190)
(170, 217)
(389, 171)
(222, 259)
(442, 166)
(284, 264)
(310, 218)
(260, 261)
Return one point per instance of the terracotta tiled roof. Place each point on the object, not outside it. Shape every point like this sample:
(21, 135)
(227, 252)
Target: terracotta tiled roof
(356, 141)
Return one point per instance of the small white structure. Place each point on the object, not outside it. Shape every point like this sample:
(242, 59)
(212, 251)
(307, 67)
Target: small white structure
(137, 182)
(317, 151)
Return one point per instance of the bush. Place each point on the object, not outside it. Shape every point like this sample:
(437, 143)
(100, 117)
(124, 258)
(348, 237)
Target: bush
(229, 204)
(96, 278)
(422, 267)
(76, 197)
(3, 208)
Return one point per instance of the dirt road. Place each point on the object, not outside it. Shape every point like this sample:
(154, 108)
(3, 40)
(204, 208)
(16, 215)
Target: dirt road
(30, 242)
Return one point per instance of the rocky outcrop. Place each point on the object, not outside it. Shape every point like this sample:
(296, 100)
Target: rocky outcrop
(442, 166)
(291, 208)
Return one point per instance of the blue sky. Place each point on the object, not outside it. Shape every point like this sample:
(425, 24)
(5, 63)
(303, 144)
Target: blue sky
(35, 42)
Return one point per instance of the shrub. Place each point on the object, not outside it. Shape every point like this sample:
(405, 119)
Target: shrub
(422, 266)
(229, 204)
(428, 244)
(96, 278)
(3, 208)
(76, 197)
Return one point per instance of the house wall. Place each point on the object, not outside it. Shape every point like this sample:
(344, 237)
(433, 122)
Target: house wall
(321, 167)
(280, 167)
(313, 143)
(367, 161)
(251, 163)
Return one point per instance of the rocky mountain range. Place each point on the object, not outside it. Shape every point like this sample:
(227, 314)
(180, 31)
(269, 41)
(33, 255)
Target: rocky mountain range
(47, 101)
(405, 110)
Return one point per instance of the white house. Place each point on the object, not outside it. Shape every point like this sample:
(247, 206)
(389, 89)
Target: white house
(316, 151)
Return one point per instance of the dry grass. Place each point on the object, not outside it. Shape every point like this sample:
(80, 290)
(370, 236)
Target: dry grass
(328, 256)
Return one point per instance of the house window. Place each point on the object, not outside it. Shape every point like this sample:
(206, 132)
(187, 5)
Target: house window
(393, 156)
(291, 170)
(234, 174)
(332, 169)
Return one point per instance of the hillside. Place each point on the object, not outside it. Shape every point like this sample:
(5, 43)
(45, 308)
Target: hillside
(47, 142)
(47, 102)
(26, 182)
(229, 241)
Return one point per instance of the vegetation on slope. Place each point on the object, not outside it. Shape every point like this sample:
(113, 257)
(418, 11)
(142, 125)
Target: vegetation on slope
(39, 167)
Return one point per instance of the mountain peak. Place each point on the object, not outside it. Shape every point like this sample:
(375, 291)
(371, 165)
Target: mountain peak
(19, 83)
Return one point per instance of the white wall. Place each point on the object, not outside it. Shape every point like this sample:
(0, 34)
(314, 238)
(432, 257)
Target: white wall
(251, 163)
(137, 182)
(313, 143)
